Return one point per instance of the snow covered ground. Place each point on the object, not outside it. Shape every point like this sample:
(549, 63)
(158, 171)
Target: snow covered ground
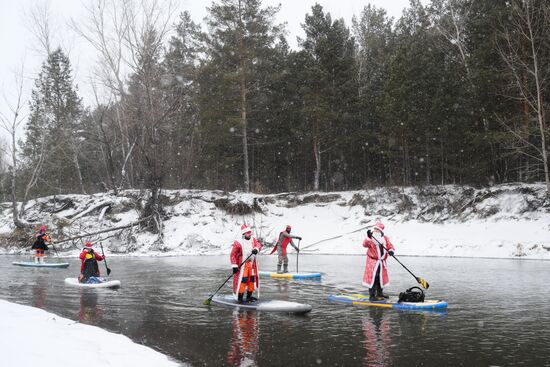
(503, 221)
(34, 337)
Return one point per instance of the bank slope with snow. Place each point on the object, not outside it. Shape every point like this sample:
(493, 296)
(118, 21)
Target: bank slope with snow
(503, 221)
(34, 337)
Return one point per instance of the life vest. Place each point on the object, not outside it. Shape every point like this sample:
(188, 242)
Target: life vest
(91, 267)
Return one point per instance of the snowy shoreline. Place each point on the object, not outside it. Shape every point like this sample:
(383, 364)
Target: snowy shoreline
(503, 221)
(291, 253)
(29, 325)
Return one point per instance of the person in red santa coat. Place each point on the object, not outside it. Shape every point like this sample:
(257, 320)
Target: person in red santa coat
(284, 239)
(89, 267)
(245, 278)
(378, 247)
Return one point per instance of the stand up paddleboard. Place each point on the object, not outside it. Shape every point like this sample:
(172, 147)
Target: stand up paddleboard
(276, 275)
(32, 264)
(105, 284)
(265, 305)
(363, 300)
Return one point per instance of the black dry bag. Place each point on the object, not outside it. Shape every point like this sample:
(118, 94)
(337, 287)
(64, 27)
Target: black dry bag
(414, 294)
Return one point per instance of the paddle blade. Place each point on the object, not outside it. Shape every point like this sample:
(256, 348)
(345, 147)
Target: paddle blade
(108, 271)
(423, 283)
(207, 301)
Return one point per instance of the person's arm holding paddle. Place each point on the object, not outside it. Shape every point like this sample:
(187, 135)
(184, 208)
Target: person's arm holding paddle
(297, 248)
(390, 249)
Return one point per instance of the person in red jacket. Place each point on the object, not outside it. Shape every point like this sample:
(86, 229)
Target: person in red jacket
(378, 247)
(245, 278)
(89, 267)
(284, 239)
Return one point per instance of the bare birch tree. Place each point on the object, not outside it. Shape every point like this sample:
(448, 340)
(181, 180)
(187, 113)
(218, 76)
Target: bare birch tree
(12, 124)
(525, 48)
(38, 20)
(106, 30)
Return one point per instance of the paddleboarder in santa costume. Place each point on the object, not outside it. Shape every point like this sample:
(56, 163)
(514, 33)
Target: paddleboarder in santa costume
(376, 273)
(284, 239)
(245, 278)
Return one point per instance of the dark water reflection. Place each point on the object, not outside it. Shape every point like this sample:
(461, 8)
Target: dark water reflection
(498, 314)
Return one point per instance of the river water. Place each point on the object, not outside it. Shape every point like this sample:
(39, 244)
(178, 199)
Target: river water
(498, 314)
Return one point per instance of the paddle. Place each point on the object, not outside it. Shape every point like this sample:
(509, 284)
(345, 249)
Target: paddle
(209, 299)
(420, 281)
(335, 237)
(56, 253)
(105, 259)
(297, 255)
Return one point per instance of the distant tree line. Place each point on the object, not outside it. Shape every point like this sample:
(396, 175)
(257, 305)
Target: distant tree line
(455, 92)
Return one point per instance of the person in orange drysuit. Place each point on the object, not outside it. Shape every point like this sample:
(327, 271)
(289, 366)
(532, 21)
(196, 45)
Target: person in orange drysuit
(245, 277)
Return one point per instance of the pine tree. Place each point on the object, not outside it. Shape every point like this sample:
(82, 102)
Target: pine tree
(181, 82)
(374, 35)
(148, 117)
(53, 131)
(329, 93)
(242, 35)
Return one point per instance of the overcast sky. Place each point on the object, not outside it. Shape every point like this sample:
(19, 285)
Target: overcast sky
(18, 46)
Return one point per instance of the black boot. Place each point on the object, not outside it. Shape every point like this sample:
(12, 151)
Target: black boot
(249, 297)
(372, 293)
(375, 293)
(240, 298)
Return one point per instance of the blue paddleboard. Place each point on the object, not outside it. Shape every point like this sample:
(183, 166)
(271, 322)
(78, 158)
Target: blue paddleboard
(392, 302)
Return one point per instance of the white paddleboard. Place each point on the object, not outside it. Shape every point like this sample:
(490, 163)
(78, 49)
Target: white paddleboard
(266, 305)
(105, 284)
(32, 264)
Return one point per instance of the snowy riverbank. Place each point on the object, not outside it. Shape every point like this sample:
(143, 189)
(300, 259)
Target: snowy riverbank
(34, 337)
(504, 221)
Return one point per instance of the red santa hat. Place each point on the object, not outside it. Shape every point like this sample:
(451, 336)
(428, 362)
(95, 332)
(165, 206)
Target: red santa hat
(288, 227)
(379, 226)
(245, 229)
(88, 245)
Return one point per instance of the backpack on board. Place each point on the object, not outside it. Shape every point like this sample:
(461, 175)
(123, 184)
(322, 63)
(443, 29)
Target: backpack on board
(413, 294)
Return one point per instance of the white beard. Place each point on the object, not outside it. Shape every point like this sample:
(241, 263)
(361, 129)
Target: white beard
(246, 247)
(377, 236)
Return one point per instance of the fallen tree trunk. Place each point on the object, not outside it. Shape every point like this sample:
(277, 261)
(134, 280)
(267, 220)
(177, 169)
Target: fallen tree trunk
(104, 230)
(78, 215)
